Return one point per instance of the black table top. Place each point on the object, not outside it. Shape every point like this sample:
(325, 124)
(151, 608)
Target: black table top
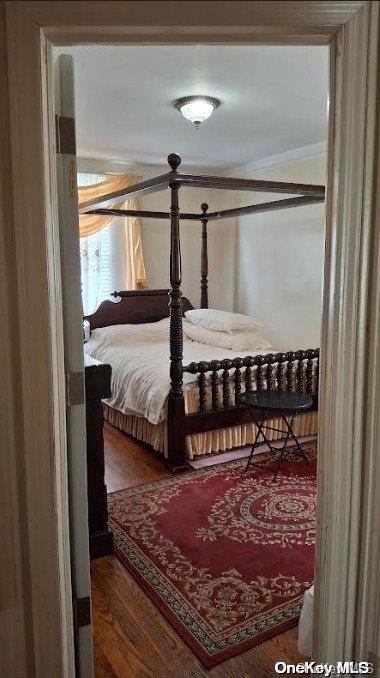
(276, 400)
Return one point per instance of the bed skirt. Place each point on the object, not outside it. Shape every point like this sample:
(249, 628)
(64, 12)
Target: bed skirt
(209, 442)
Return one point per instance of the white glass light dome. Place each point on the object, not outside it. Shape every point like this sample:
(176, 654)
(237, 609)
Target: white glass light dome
(196, 108)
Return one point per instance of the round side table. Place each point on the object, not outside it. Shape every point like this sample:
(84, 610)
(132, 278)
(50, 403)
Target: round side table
(285, 404)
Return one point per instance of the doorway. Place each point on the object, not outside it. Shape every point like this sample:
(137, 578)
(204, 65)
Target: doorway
(263, 254)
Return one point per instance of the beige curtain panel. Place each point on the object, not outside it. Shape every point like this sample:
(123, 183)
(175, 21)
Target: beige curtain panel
(92, 223)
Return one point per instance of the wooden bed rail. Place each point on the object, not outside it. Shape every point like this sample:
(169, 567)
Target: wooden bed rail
(256, 208)
(174, 178)
(293, 371)
(221, 381)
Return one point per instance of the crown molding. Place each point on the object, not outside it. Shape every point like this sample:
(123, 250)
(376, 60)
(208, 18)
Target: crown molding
(109, 166)
(314, 150)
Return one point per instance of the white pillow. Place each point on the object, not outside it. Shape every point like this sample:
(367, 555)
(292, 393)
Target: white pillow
(238, 341)
(222, 321)
(122, 335)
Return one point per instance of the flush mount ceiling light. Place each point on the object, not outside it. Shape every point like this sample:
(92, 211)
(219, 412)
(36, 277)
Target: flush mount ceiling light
(196, 108)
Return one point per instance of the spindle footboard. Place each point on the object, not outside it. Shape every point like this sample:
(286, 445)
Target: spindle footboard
(221, 381)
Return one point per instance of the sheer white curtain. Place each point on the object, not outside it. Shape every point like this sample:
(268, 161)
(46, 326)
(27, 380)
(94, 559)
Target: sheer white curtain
(103, 257)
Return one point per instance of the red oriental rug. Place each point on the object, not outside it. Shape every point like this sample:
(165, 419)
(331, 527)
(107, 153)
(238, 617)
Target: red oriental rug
(225, 555)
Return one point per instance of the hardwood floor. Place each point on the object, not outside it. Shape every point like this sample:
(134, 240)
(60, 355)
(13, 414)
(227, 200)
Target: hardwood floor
(131, 638)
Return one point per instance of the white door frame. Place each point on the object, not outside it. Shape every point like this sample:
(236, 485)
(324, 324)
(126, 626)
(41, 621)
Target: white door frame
(345, 622)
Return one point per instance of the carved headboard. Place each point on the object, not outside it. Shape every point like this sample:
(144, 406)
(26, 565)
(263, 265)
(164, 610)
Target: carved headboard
(134, 307)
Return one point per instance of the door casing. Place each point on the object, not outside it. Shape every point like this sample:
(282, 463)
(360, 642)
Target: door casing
(348, 547)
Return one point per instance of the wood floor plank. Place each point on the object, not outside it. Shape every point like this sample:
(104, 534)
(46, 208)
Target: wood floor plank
(128, 463)
(102, 667)
(115, 645)
(131, 637)
(145, 627)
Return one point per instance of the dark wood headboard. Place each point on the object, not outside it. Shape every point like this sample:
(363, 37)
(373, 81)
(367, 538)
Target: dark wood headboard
(134, 307)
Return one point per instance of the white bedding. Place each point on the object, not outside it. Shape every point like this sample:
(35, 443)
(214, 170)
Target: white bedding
(139, 357)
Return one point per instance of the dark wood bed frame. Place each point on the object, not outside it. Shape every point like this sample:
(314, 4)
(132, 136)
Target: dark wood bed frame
(294, 370)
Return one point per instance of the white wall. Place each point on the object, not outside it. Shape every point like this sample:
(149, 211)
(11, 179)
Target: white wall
(279, 261)
(221, 247)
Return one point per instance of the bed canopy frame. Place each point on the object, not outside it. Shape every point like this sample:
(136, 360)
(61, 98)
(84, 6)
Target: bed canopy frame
(306, 194)
(180, 424)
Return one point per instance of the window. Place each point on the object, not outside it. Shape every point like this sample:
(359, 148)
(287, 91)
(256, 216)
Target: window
(96, 258)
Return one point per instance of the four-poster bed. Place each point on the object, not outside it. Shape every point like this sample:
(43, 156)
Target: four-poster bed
(218, 381)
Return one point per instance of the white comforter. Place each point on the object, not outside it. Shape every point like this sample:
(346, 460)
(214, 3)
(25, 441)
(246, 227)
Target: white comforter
(139, 357)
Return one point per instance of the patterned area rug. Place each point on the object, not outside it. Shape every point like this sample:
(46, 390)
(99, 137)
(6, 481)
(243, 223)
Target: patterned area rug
(225, 555)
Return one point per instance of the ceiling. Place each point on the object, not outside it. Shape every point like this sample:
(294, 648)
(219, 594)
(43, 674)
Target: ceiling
(274, 99)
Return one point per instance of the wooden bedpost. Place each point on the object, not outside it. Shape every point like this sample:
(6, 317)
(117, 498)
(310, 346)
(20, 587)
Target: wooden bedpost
(204, 258)
(176, 459)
